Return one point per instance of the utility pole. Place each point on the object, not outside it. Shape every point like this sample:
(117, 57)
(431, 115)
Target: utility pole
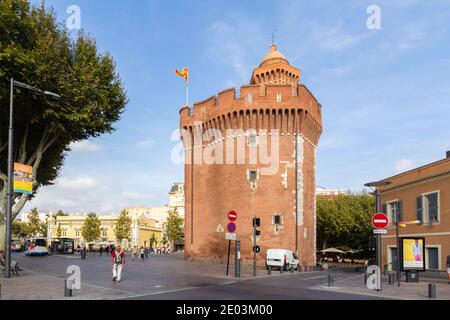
(397, 221)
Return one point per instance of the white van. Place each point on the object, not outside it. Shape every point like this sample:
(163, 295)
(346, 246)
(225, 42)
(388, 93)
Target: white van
(281, 259)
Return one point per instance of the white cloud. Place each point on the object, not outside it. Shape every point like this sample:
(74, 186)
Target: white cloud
(334, 38)
(135, 195)
(84, 146)
(404, 165)
(145, 144)
(76, 183)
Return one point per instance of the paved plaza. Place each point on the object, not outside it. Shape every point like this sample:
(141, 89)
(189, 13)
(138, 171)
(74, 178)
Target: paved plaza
(172, 277)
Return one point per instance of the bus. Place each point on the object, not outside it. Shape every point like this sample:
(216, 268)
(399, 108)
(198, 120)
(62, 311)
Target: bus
(17, 245)
(36, 246)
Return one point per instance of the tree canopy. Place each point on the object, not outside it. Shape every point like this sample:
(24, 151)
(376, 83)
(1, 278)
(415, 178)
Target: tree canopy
(91, 228)
(122, 228)
(173, 228)
(344, 220)
(37, 50)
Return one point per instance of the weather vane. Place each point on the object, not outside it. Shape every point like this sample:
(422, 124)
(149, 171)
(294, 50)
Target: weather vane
(273, 36)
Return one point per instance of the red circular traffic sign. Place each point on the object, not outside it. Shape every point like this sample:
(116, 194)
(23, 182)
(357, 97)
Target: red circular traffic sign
(232, 215)
(380, 221)
(231, 227)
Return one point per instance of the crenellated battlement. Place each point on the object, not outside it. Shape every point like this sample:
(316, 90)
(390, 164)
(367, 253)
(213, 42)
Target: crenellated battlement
(279, 106)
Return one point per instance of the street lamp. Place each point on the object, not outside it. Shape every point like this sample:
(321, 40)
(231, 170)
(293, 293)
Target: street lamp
(9, 194)
(377, 185)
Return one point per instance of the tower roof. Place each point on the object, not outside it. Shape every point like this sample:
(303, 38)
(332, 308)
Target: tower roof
(273, 56)
(275, 69)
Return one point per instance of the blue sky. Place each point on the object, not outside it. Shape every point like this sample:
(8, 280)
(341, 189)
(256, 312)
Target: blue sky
(385, 93)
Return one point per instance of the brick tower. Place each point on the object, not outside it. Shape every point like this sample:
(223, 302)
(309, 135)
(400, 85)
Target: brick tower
(253, 150)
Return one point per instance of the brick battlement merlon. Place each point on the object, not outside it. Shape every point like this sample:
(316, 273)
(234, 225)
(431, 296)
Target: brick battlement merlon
(273, 98)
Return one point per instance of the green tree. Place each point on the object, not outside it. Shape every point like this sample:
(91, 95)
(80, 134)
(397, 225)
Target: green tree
(344, 220)
(35, 222)
(91, 228)
(122, 228)
(153, 241)
(58, 231)
(37, 50)
(20, 229)
(173, 228)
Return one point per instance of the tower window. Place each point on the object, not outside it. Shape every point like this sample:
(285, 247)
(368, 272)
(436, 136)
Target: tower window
(249, 98)
(278, 97)
(252, 139)
(277, 219)
(253, 176)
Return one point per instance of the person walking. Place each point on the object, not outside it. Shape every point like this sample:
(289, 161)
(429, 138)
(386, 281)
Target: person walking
(100, 251)
(142, 254)
(118, 261)
(448, 269)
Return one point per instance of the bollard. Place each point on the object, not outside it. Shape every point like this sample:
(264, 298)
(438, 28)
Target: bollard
(292, 269)
(365, 278)
(67, 290)
(432, 290)
(330, 280)
(391, 278)
(269, 270)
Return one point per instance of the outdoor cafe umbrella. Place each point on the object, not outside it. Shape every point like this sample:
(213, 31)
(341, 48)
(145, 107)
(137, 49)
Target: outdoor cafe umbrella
(332, 250)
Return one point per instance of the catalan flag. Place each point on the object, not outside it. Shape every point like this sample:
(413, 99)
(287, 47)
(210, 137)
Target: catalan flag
(183, 73)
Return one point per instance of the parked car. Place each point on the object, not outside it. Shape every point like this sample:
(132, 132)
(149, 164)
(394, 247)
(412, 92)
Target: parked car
(281, 259)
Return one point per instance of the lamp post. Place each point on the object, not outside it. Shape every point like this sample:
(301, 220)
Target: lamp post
(9, 191)
(377, 185)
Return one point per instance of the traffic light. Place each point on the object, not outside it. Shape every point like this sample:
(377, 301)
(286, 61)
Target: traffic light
(258, 232)
(256, 249)
(256, 222)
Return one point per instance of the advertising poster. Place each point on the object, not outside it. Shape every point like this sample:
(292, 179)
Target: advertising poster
(413, 254)
(23, 178)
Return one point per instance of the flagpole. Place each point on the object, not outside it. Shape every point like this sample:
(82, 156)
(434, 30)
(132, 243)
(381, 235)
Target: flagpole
(187, 94)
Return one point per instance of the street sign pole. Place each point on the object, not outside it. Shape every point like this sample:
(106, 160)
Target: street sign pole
(228, 259)
(397, 221)
(379, 262)
(237, 264)
(254, 250)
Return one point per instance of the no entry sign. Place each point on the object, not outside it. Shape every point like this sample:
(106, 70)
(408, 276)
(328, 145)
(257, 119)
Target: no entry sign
(232, 215)
(380, 221)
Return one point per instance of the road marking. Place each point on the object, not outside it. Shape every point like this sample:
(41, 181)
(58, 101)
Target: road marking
(159, 292)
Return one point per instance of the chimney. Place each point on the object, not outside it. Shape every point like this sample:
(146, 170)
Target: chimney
(448, 154)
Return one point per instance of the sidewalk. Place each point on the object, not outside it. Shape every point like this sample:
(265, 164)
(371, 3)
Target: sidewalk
(406, 291)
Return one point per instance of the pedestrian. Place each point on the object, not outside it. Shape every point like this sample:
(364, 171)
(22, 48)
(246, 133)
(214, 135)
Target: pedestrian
(100, 251)
(448, 269)
(118, 261)
(142, 254)
(146, 252)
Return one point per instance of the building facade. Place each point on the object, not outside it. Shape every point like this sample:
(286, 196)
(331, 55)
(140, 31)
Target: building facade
(422, 196)
(142, 230)
(253, 150)
(160, 214)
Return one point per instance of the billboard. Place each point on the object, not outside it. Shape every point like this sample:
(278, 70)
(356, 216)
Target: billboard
(412, 254)
(23, 178)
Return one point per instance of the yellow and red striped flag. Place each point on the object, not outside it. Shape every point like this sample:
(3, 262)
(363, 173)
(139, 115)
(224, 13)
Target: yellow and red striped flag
(183, 73)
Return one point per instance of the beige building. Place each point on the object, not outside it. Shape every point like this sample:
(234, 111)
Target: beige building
(160, 214)
(420, 198)
(142, 229)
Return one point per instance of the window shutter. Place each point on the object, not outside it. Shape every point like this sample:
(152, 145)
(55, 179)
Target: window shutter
(400, 210)
(419, 211)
